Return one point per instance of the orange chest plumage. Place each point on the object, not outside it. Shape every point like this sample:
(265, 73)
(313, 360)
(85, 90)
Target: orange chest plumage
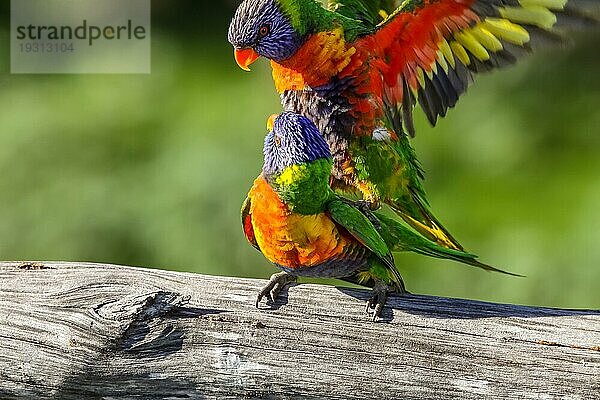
(326, 58)
(323, 56)
(290, 239)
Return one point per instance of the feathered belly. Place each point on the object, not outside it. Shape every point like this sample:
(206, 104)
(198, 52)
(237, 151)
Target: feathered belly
(304, 243)
(331, 114)
(296, 241)
(310, 245)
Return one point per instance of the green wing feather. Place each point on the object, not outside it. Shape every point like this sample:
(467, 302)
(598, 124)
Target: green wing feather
(367, 11)
(359, 226)
(401, 238)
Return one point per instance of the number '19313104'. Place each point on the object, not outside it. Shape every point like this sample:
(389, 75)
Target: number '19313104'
(40, 47)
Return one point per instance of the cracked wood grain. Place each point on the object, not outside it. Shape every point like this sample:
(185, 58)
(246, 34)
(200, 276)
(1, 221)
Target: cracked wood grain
(85, 331)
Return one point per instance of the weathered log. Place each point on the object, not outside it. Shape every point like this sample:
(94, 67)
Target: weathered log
(83, 331)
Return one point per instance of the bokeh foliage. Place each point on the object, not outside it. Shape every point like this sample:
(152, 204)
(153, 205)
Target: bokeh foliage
(151, 170)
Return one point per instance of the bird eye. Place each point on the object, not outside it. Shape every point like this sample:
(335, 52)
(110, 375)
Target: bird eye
(277, 141)
(263, 31)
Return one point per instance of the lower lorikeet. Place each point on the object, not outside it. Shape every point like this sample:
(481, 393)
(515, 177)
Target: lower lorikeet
(294, 218)
(358, 68)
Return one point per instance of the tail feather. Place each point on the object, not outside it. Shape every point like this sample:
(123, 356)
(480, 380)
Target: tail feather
(401, 238)
(433, 250)
(427, 225)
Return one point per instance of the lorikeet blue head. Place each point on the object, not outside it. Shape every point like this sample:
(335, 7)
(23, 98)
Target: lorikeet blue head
(264, 28)
(298, 164)
(294, 140)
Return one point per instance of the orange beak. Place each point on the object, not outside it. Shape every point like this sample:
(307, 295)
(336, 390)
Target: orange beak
(245, 57)
(271, 122)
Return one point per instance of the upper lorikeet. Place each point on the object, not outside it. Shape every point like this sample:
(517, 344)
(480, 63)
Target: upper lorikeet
(295, 219)
(359, 67)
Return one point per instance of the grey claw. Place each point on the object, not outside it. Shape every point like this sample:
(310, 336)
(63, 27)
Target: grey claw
(378, 300)
(259, 298)
(276, 284)
(378, 311)
(276, 291)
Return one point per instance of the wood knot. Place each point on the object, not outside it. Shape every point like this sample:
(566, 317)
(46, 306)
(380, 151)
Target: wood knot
(151, 324)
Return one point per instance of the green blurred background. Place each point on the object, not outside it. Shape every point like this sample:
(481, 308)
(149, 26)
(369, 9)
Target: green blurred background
(151, 170)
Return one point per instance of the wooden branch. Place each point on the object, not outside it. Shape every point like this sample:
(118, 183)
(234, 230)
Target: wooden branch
(82, 331)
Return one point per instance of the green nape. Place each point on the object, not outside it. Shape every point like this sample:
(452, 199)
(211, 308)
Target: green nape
(305, 187)
(309, 16)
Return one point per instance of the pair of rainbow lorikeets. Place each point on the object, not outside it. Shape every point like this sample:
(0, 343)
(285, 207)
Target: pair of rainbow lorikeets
(350, 76)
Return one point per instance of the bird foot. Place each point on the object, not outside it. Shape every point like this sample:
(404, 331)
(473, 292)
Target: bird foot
(368, 206)
(276, 284)
(363, 205)
(377, 302)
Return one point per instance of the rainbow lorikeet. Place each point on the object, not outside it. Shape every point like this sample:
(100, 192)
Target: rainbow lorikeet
(359, 68)
(295, 219)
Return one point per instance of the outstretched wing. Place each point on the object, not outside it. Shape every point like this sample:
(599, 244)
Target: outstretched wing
(429, 50)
